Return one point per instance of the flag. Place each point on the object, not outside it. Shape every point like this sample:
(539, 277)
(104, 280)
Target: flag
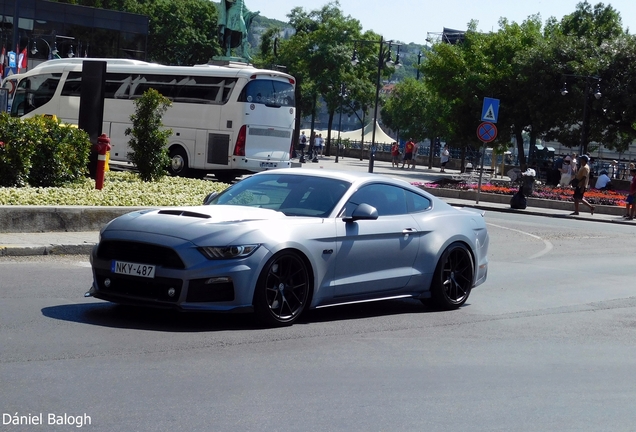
(3, 54)
(22, 60)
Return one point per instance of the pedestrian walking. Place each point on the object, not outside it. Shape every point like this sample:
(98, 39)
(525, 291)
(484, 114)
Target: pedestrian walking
(566, 172)
(630, 210)
(409, 148)
(444, 157)
(317, 147)
(302, 145)
(580, 183)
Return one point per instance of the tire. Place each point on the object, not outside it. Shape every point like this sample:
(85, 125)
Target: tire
(282, 290)
(178, 162)
(453, 278)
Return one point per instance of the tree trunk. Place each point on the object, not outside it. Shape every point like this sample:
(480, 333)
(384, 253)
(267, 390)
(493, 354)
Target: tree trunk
(328, 140)
(522, 156)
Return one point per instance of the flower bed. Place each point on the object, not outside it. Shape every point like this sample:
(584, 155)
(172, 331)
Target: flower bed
(593, 196)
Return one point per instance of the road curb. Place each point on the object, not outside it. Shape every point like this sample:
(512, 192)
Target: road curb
(36, 250)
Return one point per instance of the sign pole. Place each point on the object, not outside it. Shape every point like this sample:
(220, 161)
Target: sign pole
(481, 171)
(486, 132)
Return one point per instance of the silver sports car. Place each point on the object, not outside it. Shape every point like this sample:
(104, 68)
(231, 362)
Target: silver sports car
(282, 241)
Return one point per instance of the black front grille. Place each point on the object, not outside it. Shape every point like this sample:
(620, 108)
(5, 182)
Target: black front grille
(199, 291)
(149, 289)
(139, 253)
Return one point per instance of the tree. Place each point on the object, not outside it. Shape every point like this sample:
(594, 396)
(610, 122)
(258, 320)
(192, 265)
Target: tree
(181, 32)
(148, 141)
(587, 44)
(318, 55)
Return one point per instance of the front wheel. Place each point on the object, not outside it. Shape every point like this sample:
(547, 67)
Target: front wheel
(282, 291)
(453, 277)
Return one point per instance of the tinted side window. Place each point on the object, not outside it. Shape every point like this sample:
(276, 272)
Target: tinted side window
(387, 199)
(72, 84)
(188, 89)
(116, 86)
(417, 202)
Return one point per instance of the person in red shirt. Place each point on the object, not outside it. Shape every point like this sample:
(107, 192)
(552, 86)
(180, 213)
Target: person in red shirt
(395, 154)
(409, 148)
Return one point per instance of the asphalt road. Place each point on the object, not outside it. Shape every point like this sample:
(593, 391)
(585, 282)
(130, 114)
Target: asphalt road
(547, 344)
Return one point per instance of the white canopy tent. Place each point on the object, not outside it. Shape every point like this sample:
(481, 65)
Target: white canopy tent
(356, 135)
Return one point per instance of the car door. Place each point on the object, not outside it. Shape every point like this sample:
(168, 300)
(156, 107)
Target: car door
(378, 255)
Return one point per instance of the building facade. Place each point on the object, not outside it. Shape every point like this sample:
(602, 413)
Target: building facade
(48, 30)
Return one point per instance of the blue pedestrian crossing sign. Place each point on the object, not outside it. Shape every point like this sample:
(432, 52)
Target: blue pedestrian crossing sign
(490, 110)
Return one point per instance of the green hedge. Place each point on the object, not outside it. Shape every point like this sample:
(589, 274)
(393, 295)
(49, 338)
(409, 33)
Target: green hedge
(41, 152)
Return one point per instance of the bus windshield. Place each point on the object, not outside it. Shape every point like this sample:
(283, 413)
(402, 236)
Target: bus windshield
(268, 92)
(33, 92)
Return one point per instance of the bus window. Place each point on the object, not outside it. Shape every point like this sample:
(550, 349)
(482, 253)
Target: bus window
(268, 92)
(115, 87)
(33, 92)
(204, 89)
(72, 84)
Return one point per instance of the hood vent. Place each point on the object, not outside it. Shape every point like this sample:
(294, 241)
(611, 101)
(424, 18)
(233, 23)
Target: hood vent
(184, 213)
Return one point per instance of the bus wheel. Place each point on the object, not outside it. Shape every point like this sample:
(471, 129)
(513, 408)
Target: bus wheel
(225, 177)
(178, 162)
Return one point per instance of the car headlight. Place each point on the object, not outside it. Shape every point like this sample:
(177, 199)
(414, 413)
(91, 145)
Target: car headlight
(228, 252)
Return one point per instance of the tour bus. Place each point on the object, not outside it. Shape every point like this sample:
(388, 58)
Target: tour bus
(225, 120)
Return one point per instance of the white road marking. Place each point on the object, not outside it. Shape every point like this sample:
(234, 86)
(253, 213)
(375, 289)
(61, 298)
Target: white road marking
(548, 245)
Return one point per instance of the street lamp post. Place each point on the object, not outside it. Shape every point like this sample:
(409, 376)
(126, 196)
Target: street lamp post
(586, 94)
(52, 51)
(419, 61)
(342, 94)
(384, 57)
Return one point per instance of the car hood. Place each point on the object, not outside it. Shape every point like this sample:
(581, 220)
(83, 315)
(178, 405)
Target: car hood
(192, 223)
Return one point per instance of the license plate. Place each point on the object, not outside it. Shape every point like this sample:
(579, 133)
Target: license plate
(133, 269)
(268, 165)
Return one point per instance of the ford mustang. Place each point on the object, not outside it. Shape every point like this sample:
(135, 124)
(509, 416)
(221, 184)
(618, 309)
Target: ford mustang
(283, 241)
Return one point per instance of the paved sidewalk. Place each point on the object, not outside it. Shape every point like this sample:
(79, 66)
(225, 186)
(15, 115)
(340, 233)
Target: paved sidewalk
(54, 243)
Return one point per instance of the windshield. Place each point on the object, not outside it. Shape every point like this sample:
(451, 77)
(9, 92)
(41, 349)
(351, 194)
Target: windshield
(268, 92)
(294, 195)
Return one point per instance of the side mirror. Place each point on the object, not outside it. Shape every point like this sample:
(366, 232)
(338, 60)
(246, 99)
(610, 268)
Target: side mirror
(208, 199)
(362, 212)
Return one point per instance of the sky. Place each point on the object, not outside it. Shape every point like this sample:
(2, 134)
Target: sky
(410, 20)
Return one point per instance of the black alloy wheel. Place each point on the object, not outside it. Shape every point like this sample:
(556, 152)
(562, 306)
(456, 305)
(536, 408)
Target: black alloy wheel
(453, 277)
(282, 291)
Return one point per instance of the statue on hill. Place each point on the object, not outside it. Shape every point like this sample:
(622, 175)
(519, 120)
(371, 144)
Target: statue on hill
(234, 22)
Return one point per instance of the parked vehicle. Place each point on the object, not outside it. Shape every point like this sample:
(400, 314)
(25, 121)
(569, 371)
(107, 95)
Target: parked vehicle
(225, 120)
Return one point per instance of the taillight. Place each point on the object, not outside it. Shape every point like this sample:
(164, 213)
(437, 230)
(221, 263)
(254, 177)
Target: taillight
(239, 147)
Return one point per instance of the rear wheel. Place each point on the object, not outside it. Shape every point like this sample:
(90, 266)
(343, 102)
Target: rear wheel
(178, 162)
(282, 291)
(453, 277)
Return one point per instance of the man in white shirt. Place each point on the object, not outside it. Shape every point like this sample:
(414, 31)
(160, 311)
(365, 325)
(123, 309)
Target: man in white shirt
(603, 182)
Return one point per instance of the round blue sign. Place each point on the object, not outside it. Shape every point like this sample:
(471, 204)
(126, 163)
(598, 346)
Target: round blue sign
(487, 132)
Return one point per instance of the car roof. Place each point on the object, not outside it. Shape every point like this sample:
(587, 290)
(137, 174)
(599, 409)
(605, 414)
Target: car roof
(350, 176)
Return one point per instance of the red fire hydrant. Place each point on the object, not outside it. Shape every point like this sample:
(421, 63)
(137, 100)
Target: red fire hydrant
(102, 147)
